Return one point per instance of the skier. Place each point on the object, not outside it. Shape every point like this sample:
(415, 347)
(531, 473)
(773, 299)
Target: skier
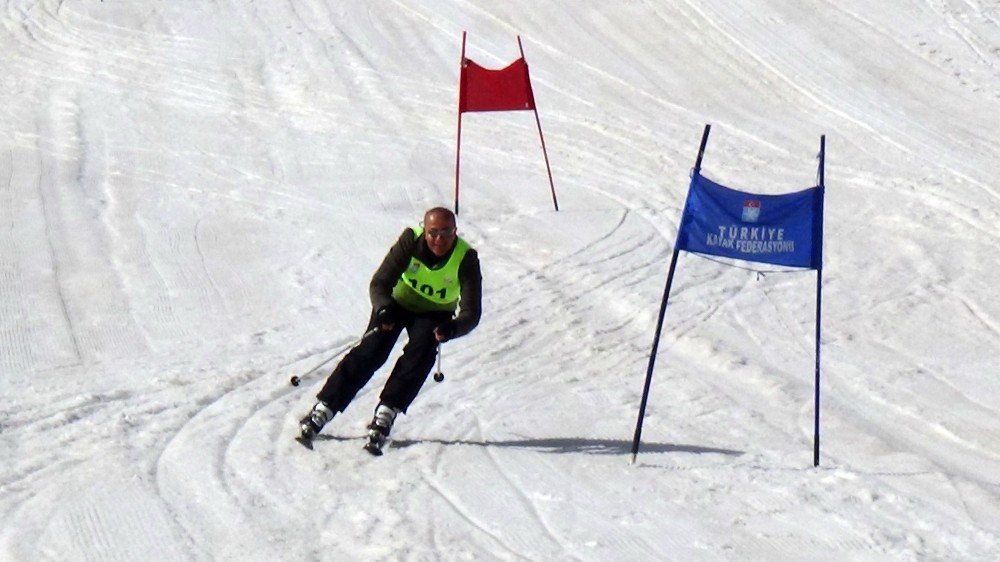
(428, 275)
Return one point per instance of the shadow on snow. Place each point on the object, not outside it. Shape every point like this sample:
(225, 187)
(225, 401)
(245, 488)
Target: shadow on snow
(555, 445)
(563, 445)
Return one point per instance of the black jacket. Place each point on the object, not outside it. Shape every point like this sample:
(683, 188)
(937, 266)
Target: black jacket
(398, 258)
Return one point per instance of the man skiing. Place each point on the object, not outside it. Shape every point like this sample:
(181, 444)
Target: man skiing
(428, 275)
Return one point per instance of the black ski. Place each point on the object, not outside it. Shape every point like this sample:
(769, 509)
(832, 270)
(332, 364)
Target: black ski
(376, 442)
(306, 435)
(306, 442)
(374, 445)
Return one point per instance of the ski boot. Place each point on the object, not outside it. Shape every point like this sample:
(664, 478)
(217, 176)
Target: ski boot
(314, 421)
(378, 430)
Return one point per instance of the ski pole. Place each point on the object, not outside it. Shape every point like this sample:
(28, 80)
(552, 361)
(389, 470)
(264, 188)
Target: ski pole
(296, 379)
(439, 376)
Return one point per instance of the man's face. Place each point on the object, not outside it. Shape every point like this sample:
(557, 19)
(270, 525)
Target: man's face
(439, 231)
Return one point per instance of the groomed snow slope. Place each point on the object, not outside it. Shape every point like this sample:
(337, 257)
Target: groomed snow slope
(193, 196)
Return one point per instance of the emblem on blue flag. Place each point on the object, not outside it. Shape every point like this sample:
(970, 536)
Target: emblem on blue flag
(751, 210)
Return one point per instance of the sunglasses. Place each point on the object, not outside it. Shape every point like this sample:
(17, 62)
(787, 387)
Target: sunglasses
(440, 232)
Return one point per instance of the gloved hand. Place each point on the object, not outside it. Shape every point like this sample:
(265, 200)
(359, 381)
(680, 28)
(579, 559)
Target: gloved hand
(386, 317)
(444, 332)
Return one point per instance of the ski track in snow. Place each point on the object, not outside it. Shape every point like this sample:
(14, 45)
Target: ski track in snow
(188, 192)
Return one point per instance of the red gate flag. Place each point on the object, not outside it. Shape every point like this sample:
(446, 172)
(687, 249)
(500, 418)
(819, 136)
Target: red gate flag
(507, 89)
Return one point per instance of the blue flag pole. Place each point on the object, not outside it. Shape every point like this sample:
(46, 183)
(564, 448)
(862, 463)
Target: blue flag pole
(663, 311)
(819, 290)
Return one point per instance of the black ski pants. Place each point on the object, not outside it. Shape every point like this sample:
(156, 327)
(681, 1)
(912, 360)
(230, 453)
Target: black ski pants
(409, 373)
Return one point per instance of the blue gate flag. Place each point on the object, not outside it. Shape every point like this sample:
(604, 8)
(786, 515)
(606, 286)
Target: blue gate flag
(782, 229)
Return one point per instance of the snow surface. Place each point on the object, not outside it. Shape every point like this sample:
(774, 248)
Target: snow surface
(194, 194)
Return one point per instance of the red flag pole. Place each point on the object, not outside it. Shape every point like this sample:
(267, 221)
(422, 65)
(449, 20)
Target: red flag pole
(458, 149)
(541, 137)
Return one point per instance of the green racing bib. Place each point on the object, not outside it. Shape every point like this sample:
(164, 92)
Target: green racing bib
(423, 289)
